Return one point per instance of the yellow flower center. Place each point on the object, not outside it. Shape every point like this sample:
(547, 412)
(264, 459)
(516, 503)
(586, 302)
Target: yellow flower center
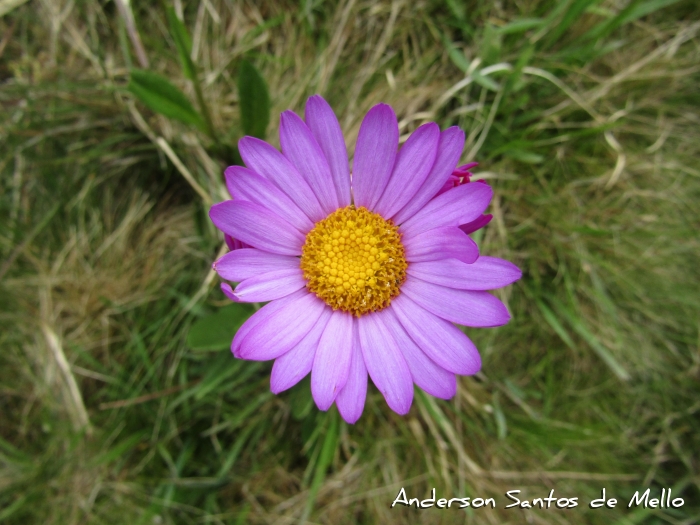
(354, 260)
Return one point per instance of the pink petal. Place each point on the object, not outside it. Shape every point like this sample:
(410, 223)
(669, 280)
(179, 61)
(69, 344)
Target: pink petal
(457, 206)
(478, 309)
(442, 342)
(271, 164)
(477, 224)
(385, 362)
(325, 127)
(247, 185)
(228, 292)
(267, 312)
(276, 334)
(270, 286)
(234, 244)
(441, 243)
(257, 226)
(448, 153)
(301, 148)
(292, 367)
(245, 263)
(332, 361)
(487, 273)
(413, 164)
(351, 399)
(432, 378)
(375, 153)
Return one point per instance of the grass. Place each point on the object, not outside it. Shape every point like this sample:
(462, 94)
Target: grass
(584, 117)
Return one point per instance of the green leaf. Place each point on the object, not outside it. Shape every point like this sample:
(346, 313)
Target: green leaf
(182, 42)
(520, 26)
(162, 97)
(216, 331)
(254, 100)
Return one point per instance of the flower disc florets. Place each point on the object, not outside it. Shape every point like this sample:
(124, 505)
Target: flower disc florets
(354, 260)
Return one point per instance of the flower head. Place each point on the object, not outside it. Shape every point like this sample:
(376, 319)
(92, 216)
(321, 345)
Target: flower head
(364, 274)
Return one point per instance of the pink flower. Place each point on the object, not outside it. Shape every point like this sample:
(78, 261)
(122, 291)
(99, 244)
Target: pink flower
(363, 274)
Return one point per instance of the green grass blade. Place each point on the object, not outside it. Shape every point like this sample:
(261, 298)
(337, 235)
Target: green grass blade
(14, 507)
(520, 25)
(456, 56)
(592, 340)
(119, 450)
(555, 324)
(491, 45)
(570, 16)
(485, 81)
(325, 457)
(235, 451)
(635, 10)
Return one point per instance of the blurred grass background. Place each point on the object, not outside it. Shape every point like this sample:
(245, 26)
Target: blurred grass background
(584, 116)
